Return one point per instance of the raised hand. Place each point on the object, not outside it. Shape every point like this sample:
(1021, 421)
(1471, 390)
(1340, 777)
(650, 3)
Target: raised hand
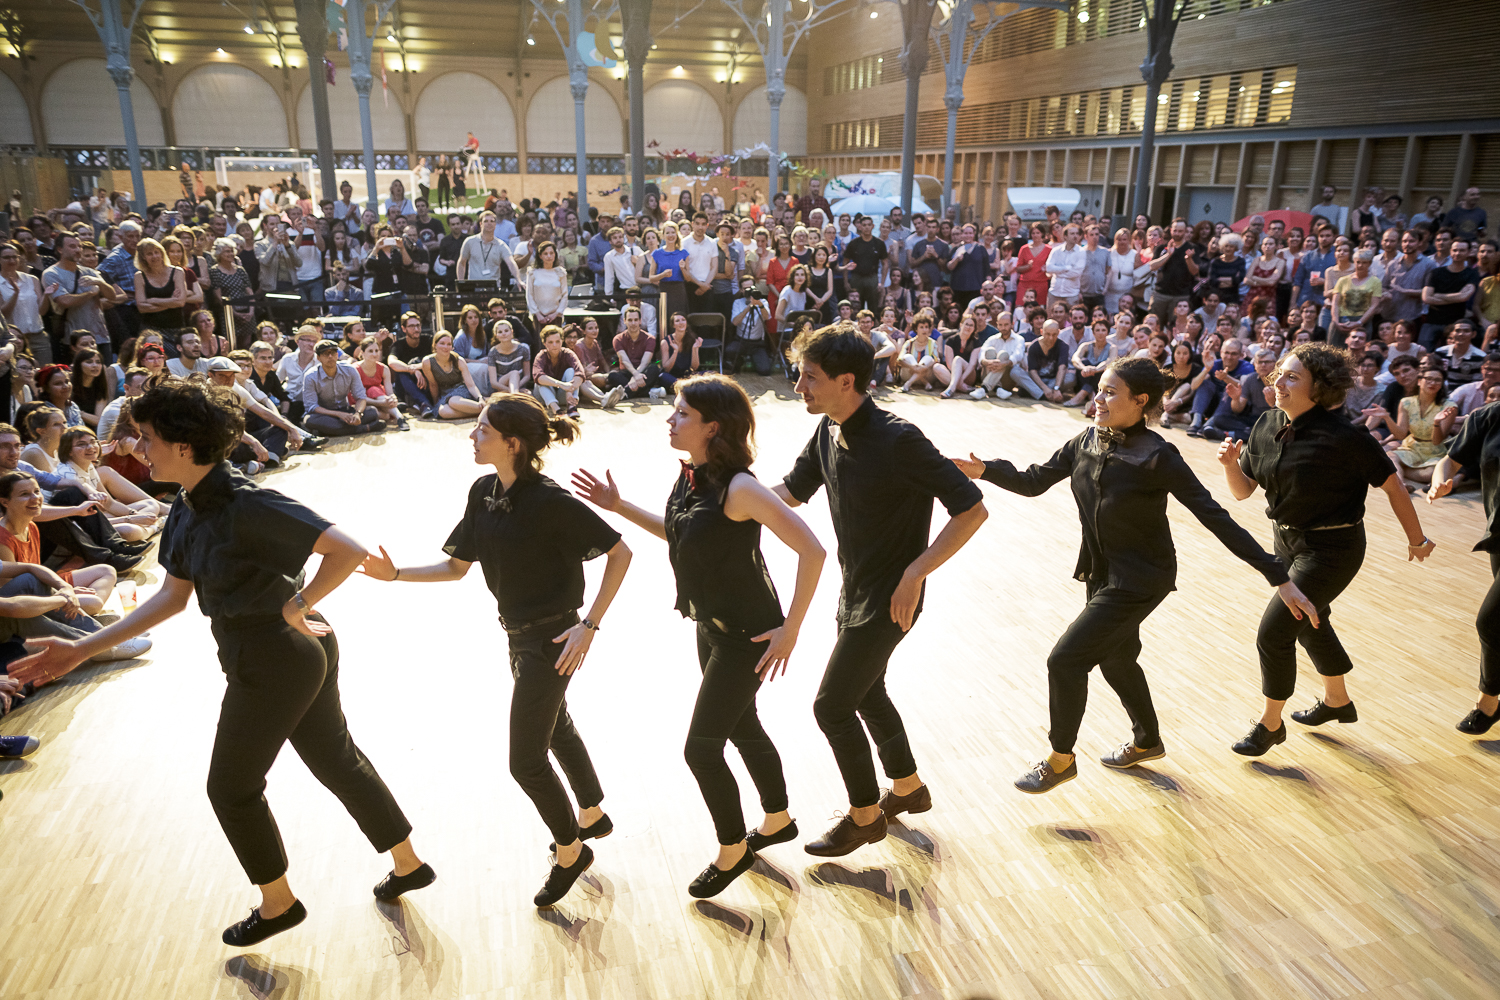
(1229, 452)
(379, 567)
(604, 495)
(973, 466)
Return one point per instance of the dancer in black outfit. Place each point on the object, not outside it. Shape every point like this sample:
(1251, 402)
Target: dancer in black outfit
(1315, 467)
(1478, 445)
(712, 530)
(242, 548)
(1121, 473)
(882, 475)
(531, 537)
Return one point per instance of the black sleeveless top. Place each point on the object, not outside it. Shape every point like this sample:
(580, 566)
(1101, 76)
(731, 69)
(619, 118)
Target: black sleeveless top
(167, 319)
(721, 577)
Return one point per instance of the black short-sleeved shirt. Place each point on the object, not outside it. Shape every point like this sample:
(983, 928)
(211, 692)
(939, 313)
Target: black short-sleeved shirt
(866, 255)
(721, 575)
(1445, 281)
(1044, 362)
(531, 546)
(242, 546)
(882, 475)
(1174, 278)
(403, 352)
(1315, 469)
(1478, 444)
(412, 282)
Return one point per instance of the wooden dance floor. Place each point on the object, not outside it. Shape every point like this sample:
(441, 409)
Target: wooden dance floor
(1354, 860)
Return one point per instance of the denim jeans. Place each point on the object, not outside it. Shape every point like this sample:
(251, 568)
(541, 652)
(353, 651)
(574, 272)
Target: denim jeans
(53, 623)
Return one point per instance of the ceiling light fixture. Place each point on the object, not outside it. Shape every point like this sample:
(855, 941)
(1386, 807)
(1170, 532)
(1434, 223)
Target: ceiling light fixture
(249, 30)
(874, 14)
(530, 40)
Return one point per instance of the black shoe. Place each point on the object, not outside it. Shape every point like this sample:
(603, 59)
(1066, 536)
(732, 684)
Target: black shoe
(760, 841)
(846, 837)
(122, 563)
(560, 879)
(311, 442)
(1321, 713)
(1476, 723)
(715, 880)
(597, 830)
(394, 885)
(1259, 741)
(255, 928)
(124, 548)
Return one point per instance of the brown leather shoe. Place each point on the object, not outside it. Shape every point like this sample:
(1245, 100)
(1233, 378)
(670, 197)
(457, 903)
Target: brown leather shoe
(893, 805)
(847, 836)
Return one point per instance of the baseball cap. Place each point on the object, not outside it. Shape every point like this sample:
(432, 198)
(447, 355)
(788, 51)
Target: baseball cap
(222, 365)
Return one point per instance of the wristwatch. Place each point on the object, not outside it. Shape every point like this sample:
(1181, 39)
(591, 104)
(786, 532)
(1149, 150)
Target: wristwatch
(300, 602)
(589, 624)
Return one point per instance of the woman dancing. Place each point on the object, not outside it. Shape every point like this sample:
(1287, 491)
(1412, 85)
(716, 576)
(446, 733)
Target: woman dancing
(243, 548)
(712, 530)
(1121, 473)
(1315, 467)
(531, 537)
(1478, 445)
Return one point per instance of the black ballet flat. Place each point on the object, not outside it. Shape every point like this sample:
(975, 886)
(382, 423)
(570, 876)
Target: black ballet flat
(714, 880)
(760, 841)
(594, 831)
(255, 928)
(1321, 713)
(1476, 723)
(560, 880)
(1259, 741)
(394, 885)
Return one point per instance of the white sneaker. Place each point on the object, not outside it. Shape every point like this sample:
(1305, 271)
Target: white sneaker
(612, 397)
(252, 467)
(1003, 393)
(658, 393)
(127, 650)
(978, 393)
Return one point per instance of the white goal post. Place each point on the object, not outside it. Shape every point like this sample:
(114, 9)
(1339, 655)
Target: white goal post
(237, 171)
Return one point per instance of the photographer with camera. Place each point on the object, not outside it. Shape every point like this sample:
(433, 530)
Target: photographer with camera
(749, 313)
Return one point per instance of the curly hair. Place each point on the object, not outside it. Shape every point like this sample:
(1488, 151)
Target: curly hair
(193, 412)
(1331, 370)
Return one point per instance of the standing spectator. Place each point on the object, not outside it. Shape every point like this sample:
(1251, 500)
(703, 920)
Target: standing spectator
(700, 265)
(1337, 215)
(1315, 262)
(1432, 216)
(1447, 293)
(862, 260)
(77, 291)
(483, 255)
(813, 199)
(968, 267)
(23, 301)
(306, 238)
(1404, 280)
(1467, 219)
(1177, 268)
(1065, 266)
(1092, 284)
(1226, 272)
(277, 259)
(1355, 300)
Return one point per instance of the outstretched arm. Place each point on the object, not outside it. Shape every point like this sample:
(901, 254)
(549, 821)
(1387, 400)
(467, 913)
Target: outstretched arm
(605, 495)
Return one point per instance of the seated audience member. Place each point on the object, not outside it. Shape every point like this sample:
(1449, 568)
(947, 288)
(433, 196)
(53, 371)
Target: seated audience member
(1002, 363)
(20, 542)
(1243, 401)
(190, 359)
(36, 601)
(90, 387)
(635, 348)
(1421, 430)
(921, 356)
(263, 421)
(1047, 363)
(263, 374)
(376, 378)
(135, 515)
(557, 373)
(679, 358)
(1365, 390)
(1472, 395)
(509, 360)
(333, 396)
(294, 365)
(747, 338)
(1230, 366)
(405, 361)
(595, 364)
(44, 430)
(133, 385)
(55, 388)
(1459, 358)
(450, 384)
(473, 346)
(1380, 415)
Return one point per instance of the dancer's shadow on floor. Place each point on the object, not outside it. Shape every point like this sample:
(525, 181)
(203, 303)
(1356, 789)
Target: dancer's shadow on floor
(1289, 773)
(412, 937)
(878, 882)
(264, 979)
(917, 840)
(769, 872)
(1157, 780)
(1488, 746)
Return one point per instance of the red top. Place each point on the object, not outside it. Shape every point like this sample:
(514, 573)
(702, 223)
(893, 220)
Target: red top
(374, 384)
(29, 550)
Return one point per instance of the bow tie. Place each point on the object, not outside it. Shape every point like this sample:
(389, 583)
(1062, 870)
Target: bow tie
(501, 503)
(1287, 434)
(688, 470)
(1110, 436)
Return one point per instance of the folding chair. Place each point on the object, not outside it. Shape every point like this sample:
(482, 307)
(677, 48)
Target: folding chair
(708, 329)
(792, 319)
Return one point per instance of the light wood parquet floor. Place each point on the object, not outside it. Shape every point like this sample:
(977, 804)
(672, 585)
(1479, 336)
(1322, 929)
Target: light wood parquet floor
(1356, 861)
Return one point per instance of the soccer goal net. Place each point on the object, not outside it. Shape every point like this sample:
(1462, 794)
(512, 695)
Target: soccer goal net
(236, 172)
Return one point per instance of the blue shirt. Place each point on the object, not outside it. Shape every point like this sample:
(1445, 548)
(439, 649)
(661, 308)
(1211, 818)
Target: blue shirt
(351, 295)
(119, 268)
(669, 263)
(598, 247)
(1314, 261)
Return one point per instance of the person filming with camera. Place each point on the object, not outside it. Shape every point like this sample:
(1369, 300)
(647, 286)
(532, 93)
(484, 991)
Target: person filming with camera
(748, 316)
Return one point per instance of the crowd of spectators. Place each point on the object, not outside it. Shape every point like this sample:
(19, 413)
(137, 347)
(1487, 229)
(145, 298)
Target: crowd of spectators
(320, 317)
